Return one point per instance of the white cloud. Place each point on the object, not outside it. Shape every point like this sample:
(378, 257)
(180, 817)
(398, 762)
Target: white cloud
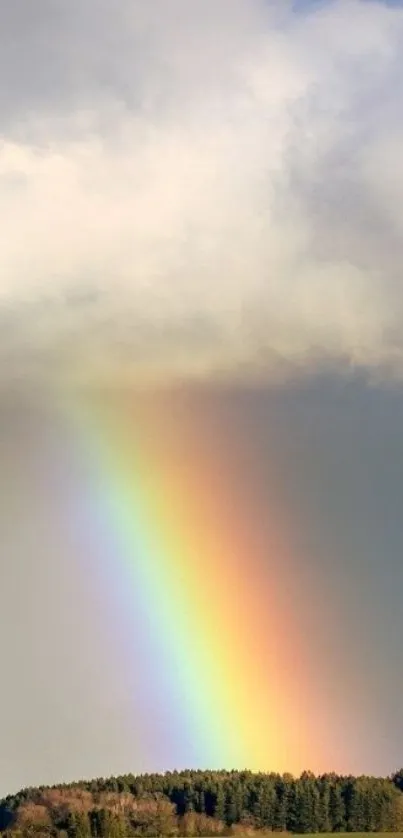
(204, 188)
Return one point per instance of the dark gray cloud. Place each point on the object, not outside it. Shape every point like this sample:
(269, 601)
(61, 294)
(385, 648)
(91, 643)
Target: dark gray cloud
(57, 58)
(327, 453)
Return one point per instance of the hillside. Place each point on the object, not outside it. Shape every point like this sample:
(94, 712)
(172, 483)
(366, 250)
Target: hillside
(201, 803)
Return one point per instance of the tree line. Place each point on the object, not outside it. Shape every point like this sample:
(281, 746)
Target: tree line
(205, 803)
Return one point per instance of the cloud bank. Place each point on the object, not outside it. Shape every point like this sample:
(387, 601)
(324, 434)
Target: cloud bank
(197, 189)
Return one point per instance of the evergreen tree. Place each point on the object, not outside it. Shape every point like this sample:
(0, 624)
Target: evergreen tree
(397, 779)
(337, 810)
(323, 810)
(219, 808)
(280, 807)
(231, 808)
(78, 825)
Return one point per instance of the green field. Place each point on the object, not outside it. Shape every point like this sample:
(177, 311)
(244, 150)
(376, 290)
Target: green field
(355, 834)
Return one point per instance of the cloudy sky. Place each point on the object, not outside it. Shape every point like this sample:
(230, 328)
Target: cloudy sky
(193, 187)
(203, 191)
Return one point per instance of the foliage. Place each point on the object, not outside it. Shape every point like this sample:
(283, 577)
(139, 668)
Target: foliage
(205, 803)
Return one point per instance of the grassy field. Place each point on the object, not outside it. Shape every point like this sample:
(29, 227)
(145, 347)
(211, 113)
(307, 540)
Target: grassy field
(355, 834)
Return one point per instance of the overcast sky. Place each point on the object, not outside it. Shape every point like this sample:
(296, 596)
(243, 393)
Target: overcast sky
(191, 187)
(202, 189)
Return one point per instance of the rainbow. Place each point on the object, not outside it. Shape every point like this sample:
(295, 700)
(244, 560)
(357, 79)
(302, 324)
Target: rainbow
(188, 532)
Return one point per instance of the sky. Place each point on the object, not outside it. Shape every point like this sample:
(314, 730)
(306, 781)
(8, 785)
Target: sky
(207, 196)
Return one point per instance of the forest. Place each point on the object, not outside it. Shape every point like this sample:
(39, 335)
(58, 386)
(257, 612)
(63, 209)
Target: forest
(205, 803)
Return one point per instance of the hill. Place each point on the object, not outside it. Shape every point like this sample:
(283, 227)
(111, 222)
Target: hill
(205, 803)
